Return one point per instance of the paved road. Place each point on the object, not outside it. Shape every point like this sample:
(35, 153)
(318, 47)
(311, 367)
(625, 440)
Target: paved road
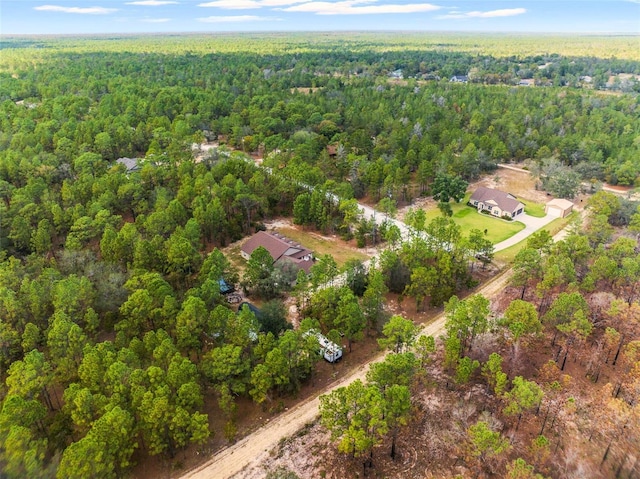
(531, 223)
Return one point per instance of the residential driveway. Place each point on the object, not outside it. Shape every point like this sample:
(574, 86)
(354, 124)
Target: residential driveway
(531, 223)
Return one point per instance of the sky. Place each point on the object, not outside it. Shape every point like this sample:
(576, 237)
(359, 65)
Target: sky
(165, 16)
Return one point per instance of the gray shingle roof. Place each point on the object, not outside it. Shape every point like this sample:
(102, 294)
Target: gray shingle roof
(505, 201)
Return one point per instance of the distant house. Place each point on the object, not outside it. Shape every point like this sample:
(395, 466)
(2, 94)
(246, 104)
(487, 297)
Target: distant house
(558, 207)
(131, 164)
(496, 202)
(459, 79)
(397, 74)
(280, 249)
(527, 82)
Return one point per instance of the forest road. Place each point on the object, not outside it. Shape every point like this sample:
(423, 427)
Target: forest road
(254, 448)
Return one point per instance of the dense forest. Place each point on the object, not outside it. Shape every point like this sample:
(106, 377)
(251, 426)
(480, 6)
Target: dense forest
(113, 330)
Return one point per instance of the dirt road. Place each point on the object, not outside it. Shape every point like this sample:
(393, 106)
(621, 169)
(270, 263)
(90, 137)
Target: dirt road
(252, 449)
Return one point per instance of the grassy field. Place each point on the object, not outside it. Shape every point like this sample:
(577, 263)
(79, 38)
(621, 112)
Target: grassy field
(507, 255)
(533, 209)
(468, 218)
(337, 248)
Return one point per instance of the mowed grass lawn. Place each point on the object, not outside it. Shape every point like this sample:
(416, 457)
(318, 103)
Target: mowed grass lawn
(533, 209)
(468, 218)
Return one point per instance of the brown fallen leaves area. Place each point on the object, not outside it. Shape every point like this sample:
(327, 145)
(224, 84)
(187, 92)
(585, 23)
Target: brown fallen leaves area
(591, 428)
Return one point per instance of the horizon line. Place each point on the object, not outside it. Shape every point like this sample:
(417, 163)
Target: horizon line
(276, 32)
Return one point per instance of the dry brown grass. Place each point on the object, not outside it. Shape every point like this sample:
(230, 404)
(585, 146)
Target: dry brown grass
(518, 183)
(319, 244)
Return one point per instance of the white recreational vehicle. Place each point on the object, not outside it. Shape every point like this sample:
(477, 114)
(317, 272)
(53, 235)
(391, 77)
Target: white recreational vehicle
(329, 350)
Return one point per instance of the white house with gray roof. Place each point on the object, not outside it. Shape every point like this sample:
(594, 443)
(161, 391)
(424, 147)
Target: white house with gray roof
(496, 202)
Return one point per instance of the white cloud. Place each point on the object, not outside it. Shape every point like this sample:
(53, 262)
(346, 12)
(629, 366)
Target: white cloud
(232, 4)
(506, 12)
(82, 10)
(152, 3)
(359, 7)
(236, 19)
(249, 4)
(155, 20)
(280, 3)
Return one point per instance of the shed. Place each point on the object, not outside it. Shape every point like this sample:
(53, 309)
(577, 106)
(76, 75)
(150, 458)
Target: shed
(558, 207)
(225, 288)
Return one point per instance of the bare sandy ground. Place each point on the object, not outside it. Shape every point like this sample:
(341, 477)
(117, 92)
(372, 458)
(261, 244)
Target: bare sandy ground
(246, 458)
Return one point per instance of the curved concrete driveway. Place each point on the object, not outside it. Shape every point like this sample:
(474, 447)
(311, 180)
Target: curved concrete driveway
(531, 223)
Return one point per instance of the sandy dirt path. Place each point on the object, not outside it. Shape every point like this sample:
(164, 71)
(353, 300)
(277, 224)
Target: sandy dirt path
(251, 451)
(254, 448)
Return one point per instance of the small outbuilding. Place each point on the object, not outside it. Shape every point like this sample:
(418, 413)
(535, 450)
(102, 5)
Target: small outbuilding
(558, 207)
(225, 288)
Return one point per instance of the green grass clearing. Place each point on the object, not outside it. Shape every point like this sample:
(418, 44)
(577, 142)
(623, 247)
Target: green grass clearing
(337, 248)
(468, 218)
(507, 255)
(533, 209)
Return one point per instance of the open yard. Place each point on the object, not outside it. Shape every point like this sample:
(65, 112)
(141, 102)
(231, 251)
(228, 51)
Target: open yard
(319, 244)
(341, 250)
(519, 183)
(533, 209)
(468, 218)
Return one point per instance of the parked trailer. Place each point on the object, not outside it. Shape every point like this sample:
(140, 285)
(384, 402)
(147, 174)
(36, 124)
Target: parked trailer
(329, 350)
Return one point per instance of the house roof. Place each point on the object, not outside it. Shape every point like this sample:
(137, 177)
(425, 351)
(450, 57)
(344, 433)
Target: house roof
(304, 264)
(504, 201)
(225, 288)
(560, 203)
(131, 164)
(280, 248)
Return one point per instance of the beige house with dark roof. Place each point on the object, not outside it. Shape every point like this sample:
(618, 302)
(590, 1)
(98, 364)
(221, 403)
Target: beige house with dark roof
(280, 248)
(496, 202)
